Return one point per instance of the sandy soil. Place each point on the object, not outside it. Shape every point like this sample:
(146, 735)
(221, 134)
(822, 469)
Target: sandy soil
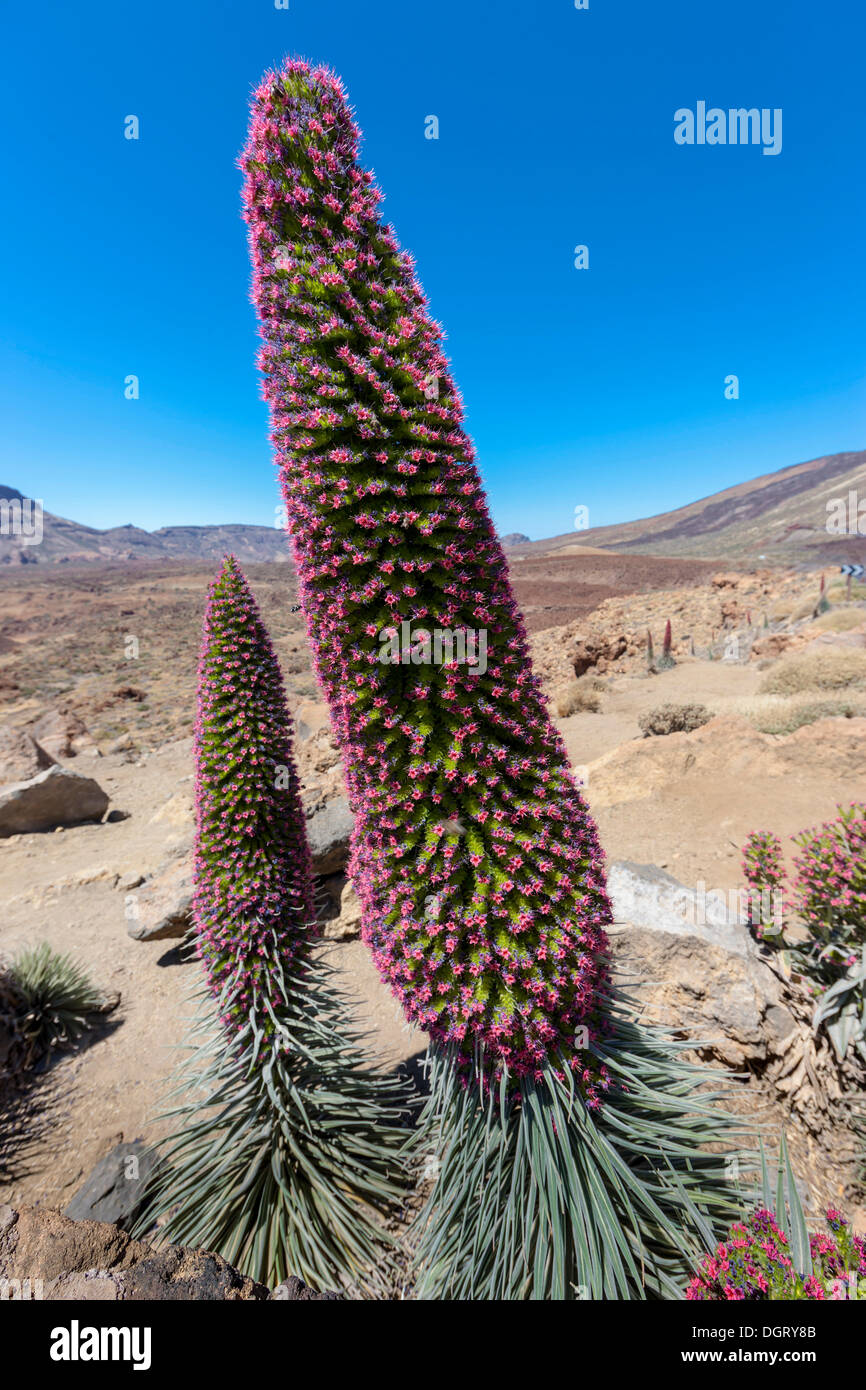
(65, 643)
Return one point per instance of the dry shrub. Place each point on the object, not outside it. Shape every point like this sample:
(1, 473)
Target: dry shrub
(794, 714)
(803, 609)
(840, 620)
(578, 697)
(827, 668)
(674, 719)
(837, 592)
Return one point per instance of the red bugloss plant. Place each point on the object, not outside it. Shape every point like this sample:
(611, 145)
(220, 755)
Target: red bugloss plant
(460, 784)
(285, 1151)
(475, 857)
(254, 892)
(754, 1263)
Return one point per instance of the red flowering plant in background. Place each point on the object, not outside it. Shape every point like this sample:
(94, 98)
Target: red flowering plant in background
(764, 871)
(285, 1151)
(569, 1149)
(828, 899)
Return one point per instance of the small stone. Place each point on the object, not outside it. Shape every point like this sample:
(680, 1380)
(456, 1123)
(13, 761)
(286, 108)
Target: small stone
(131, 880)
(115, 1188)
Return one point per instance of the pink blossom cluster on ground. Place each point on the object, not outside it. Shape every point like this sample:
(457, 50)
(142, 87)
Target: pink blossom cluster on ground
(754, 1262)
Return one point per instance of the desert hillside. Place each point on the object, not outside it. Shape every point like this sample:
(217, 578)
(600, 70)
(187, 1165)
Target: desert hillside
(777, 518)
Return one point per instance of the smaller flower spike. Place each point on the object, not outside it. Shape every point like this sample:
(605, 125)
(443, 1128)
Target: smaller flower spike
(286, 1149)
(253, 871)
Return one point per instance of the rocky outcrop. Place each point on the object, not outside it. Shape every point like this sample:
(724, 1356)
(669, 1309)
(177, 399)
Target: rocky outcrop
(728, 746)
(771, 645)
(691, 961)
(49, 1256)
(21, 757)
(162, 907)
(597, 653)
(344, 921)
(328, 831)
(63, 734)
(54, 797)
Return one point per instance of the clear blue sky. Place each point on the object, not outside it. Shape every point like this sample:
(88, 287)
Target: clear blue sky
(602, 387)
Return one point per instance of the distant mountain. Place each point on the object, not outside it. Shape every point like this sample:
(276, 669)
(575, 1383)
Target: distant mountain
(780, 516)
(68, 542)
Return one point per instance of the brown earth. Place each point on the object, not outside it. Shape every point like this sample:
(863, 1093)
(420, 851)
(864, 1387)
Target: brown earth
(684, 802)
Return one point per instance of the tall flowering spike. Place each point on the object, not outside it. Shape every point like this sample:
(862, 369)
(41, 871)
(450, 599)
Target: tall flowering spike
(286, 1148)
(253, 871)
(475, 858)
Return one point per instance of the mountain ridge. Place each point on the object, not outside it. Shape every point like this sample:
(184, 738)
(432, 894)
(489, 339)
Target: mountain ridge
(776, 517)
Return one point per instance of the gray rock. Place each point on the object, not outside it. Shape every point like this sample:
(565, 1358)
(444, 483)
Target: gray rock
(328, 831)
(56, 797)
(695, 967)
(646, 896)
(162, 908)
(114, 1189)
(21, 757)
(294, 1290)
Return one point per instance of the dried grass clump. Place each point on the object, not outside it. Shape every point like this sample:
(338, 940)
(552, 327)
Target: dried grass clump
(793, 715)
(824, 669)
(840, 620)
(578, 697)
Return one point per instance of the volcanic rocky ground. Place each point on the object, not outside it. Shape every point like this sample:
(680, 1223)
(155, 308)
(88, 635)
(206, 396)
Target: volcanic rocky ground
(108, 654)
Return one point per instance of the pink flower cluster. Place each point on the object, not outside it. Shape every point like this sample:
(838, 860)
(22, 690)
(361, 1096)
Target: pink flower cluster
(253, 874)
(475, 858)
(763, 868)
(830, 889)
(754, 1262)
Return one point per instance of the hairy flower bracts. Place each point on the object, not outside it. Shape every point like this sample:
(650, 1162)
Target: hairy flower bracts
(475, 858)
(253, 871)
(754, 1262)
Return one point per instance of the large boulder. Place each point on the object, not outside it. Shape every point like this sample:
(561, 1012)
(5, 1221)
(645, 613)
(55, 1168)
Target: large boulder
(328, 831)
(21, 757)
(48, 1256)
(54, 797)
(691, 961)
